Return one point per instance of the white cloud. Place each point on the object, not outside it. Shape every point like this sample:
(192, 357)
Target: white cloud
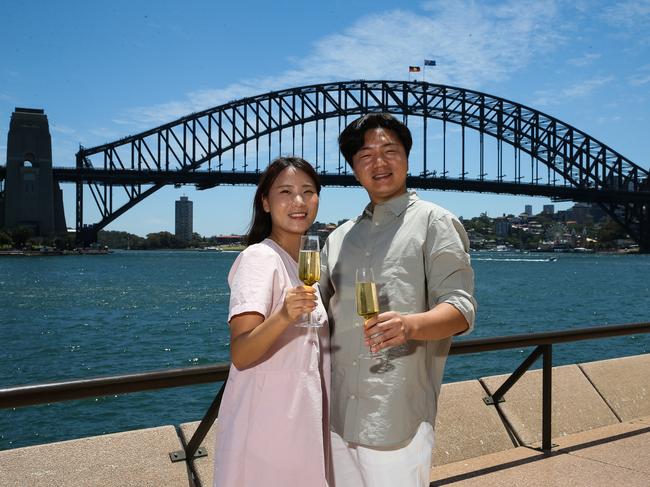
(63, 129)
(575, 90)
(609, 120)
(584, 60)
(629, 13)
(630, 20)
(473, 44)
(640, 80)
(105, 133)
(642, 77)
(586, 87)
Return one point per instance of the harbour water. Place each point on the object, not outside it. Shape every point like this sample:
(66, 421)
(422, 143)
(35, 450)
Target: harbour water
(82, 316)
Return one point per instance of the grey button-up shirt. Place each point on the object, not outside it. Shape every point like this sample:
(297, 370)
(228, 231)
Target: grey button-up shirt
(418, 253)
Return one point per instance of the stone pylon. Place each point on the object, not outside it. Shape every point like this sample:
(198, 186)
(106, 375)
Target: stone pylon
(32, 197)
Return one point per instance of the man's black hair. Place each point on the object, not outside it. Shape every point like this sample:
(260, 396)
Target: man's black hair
(352, 137)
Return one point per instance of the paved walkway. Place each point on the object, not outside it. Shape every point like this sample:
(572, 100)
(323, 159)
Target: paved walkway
(601, 429)
(615, 455)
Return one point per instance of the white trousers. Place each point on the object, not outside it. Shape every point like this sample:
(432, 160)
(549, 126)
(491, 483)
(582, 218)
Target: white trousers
(359, 466)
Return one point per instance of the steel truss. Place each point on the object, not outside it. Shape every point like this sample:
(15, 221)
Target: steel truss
(564, 161)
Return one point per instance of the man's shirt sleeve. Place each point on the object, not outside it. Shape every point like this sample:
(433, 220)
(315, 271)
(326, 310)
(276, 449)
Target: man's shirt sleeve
(450, 278)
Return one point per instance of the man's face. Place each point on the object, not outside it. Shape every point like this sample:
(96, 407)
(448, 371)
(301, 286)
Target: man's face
(381, 165)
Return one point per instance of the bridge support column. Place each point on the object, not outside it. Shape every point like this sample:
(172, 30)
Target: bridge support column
(32, 198)
(644, 240)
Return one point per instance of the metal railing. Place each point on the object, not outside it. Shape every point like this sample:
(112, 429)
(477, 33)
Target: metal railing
(29, 395)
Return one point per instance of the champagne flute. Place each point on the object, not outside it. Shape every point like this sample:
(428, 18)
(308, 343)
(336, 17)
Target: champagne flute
(366, 298)
(309, 270)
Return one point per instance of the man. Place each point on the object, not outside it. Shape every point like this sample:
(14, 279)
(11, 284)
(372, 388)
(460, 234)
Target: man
(382, 414)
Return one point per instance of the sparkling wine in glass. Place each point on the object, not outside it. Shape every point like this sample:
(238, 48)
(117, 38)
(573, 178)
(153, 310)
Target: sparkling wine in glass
(366, 298)
(309, 269)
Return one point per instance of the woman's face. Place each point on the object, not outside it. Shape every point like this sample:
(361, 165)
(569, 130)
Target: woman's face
(292, 202)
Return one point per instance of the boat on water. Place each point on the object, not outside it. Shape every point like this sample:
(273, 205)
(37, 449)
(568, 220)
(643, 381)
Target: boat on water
(89, 251)
(214, 248)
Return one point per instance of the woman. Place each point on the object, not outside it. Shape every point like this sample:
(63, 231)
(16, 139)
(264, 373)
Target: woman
(272, 428)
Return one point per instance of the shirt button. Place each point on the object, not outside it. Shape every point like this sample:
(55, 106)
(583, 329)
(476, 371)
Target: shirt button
(354, 364)
(353, 397)
(367, 254)
(376, 224)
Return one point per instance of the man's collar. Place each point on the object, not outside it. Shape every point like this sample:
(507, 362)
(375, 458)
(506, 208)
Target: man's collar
(396, 205)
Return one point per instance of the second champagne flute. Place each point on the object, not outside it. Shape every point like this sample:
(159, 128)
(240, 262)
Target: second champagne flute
(366, 298)
(309, 269)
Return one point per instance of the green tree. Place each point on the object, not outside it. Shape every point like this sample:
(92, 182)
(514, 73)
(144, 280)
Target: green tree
(609, 232)
(5, 239)
(163, 240)
(20, 236)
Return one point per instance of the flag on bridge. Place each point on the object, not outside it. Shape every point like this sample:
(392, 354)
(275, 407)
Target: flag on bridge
(429, 62)
(414, 69)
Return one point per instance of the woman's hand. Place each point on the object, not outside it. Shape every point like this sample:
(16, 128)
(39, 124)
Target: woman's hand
(298, 301)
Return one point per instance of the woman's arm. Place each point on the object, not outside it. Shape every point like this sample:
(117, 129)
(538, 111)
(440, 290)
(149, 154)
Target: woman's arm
(251, 335)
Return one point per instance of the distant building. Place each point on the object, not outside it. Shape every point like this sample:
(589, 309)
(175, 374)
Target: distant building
(528, 210)
(502, 227)
(580, 212)
(548, 209)
(322, 230)
(184, 219)
(229, 239)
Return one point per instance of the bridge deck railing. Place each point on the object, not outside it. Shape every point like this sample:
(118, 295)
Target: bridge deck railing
(28, 395)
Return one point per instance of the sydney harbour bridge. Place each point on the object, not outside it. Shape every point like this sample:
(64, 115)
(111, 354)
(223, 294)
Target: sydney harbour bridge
(464, 140)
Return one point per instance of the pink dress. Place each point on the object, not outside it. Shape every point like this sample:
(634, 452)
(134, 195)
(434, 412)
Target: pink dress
(273, 428)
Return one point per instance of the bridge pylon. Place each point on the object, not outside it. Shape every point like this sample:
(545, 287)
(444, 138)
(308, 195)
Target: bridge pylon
(32, 196)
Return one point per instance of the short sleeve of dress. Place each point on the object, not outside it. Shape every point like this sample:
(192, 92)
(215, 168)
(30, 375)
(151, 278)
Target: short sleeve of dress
(254, 281)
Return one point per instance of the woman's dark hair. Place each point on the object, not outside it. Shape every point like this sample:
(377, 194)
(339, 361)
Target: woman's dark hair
(352, 137)
(261, 224)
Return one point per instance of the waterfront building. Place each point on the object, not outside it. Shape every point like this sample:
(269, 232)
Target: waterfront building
(528, 209)
(581, 212)
(548, 209)
(229, 239)
(184, 219)
(322, 230)
(502, 227)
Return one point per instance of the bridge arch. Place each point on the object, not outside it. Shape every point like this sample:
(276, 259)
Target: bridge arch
(565, 162)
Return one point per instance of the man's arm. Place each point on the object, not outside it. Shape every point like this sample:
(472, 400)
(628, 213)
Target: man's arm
(450, 285)
(391, 329)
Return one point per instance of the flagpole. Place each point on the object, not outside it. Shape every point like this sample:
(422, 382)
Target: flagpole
(427, 62)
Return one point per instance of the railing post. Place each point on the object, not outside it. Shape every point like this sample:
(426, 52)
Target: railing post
(547, 399)
(514, 377)
(192, 449)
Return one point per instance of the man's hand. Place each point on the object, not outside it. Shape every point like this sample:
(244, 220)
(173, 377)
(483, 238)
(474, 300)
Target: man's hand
(389, 329)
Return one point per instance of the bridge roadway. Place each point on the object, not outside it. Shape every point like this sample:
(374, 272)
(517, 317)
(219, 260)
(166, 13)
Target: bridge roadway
(209, 179)
(601, 437)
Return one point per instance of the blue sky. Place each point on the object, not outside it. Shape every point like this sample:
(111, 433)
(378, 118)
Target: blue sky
(104, 70)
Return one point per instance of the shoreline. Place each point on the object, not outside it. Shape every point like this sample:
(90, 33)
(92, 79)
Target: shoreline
(52, 252)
